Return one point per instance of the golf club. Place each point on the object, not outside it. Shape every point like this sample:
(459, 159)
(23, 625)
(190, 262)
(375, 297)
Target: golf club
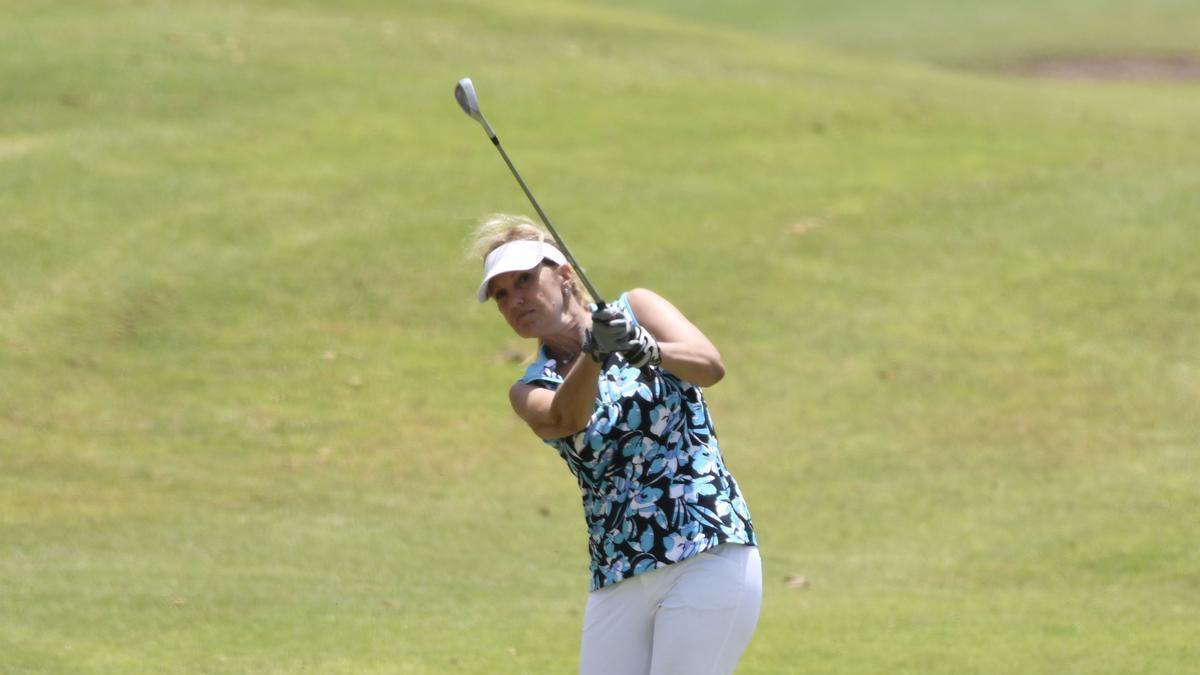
(464, 93)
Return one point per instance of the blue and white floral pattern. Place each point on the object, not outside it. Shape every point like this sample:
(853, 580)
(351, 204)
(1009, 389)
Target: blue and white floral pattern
(655, 488)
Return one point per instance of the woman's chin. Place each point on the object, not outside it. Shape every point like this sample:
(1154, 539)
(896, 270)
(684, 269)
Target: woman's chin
(526, 329)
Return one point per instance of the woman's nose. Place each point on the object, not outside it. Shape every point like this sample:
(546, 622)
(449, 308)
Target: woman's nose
(510, 302)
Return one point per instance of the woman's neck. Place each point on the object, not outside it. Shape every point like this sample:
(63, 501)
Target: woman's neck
(564, 345)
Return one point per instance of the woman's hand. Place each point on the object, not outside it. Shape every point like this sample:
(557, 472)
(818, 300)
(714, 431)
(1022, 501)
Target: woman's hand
(608, 334)
(613, 332)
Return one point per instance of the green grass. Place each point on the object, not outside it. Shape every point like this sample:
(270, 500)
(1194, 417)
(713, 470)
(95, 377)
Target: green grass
(251, 419)
(962, 33)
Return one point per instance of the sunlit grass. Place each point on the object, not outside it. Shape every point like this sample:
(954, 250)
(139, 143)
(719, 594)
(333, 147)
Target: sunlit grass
(252, 420)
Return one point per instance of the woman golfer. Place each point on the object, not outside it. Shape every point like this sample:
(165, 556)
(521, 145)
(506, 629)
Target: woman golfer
(676, 578)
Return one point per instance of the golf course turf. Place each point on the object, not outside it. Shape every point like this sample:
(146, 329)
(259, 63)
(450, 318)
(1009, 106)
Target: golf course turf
(252, 419)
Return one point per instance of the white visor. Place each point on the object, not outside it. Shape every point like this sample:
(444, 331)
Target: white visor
(516, 256)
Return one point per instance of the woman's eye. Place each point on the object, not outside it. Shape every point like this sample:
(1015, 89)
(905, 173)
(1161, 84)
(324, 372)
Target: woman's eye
(499, 295)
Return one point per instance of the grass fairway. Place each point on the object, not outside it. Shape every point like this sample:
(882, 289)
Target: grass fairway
(252, 421)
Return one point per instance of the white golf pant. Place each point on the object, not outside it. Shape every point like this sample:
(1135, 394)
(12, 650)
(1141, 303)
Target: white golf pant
(694, 617)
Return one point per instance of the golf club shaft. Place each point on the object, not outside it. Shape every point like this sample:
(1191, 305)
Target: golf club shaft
(550, 226)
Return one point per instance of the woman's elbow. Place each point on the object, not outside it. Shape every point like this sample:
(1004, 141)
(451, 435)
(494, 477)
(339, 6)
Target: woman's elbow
(577, 423)
(563, 425)
(713, 372)
(718, 373)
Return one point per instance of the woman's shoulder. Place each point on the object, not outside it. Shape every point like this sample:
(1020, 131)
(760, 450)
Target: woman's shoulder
(647, 303)
(639, 301)
(637, 296)
(540, 372)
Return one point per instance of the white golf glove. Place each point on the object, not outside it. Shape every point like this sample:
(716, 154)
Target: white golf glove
(613, 332)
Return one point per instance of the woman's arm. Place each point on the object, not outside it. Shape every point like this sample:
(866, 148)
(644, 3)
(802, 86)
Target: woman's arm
(565, 411)
(686, 351)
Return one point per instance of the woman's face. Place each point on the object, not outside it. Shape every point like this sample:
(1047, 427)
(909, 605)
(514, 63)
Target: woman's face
(532, 301)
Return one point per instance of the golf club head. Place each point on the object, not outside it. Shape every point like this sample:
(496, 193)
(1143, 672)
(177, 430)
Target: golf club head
(464, 93)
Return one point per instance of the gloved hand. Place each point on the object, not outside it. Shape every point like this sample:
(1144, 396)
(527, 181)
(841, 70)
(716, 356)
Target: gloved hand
(642, 350)
(610, 331)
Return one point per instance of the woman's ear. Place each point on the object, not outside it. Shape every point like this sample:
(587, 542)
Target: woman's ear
(566, 277)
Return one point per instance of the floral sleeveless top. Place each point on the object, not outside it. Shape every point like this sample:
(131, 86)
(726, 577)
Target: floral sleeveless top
(655, 488)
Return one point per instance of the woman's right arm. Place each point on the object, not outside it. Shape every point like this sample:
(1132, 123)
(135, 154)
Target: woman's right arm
(562, 412)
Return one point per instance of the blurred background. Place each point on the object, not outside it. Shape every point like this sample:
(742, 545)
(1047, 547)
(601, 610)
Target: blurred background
(252, 419)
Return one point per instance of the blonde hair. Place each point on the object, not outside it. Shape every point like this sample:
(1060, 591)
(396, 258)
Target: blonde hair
(499, 229)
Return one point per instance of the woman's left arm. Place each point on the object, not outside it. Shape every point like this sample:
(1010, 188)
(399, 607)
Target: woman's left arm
(686, 351)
